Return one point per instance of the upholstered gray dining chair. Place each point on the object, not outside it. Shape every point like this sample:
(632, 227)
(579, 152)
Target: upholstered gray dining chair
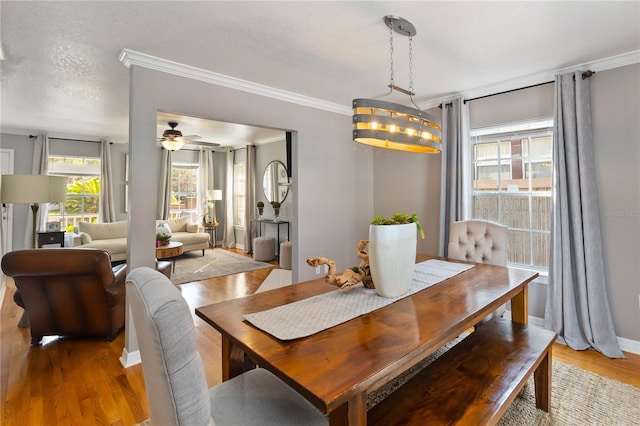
(480, 241)
(174, 374)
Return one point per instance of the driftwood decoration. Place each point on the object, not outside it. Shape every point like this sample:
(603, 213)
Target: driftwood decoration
(348, 277)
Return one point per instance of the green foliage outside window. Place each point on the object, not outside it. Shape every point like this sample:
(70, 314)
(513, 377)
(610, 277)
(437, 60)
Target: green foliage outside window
(87, 200)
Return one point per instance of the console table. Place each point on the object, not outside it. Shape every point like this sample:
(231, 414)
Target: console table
(277, 225)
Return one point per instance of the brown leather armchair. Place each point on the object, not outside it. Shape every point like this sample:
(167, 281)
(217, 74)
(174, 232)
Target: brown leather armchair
(69, 292)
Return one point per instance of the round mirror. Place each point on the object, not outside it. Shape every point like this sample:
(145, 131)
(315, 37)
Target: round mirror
(275, 182)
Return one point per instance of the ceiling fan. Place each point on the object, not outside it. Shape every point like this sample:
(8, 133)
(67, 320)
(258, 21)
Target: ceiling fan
(173, 139)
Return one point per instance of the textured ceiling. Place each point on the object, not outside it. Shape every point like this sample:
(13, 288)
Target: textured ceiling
(62, 75)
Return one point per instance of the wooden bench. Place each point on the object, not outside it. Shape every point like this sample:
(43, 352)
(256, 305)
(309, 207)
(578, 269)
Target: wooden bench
(475, 381)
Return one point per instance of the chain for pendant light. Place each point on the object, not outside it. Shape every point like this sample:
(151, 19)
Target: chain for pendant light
(391, 57)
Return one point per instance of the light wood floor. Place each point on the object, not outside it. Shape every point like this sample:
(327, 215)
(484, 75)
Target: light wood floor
(81, 381)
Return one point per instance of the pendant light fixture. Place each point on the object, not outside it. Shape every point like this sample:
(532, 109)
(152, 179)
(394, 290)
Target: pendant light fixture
(394, 126)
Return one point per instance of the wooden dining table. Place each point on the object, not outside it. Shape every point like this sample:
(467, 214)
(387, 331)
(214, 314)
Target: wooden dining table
(335, 369)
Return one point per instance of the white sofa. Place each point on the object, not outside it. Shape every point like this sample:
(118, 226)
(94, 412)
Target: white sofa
(112, 236)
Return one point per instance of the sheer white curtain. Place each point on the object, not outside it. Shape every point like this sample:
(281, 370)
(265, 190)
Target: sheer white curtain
(205, 177)
(164, 196)
(250, 191)
(577, 306)
(107, 209)
(455, 180)
(229, 238)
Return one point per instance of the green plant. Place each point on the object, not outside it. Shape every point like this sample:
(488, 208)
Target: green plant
(260, 204)
(163, 237)
(82, 196)
(399, 219)
(275, 204)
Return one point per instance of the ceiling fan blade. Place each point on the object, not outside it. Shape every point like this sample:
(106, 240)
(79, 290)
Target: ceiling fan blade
(192, 137)
(203, 143)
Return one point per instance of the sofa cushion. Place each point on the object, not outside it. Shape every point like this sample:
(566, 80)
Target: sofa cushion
(189, 238)
(112, 245)
(85, 238)
(103, 231)
(179, 225)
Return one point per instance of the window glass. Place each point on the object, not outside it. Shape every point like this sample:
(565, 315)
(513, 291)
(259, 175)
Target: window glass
(184, 190)
(512, 169)
(83, 191)
(239, 191)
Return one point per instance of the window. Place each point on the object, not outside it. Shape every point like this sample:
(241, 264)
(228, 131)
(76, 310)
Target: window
(239, 191)
(184, 190)
(83, 190)
(512, 169)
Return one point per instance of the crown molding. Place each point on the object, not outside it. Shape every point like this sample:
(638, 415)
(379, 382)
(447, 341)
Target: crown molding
(612, 62)
(130, 57)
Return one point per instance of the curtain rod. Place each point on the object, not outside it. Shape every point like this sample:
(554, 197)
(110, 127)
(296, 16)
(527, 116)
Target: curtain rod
(74, 140)
(585, 75)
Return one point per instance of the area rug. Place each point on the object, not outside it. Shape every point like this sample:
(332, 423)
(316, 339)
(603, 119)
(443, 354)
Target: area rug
(192, 266)
(578, 397)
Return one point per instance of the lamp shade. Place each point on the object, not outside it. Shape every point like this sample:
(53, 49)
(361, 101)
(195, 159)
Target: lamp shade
(393, 126)
(214, 194)
(33, 189)
(173, 144)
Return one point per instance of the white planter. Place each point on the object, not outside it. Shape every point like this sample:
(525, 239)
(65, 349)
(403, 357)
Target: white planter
(392, 257)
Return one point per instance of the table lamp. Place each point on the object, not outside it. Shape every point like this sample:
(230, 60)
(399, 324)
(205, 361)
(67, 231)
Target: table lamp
(213, 195)
(33, 189)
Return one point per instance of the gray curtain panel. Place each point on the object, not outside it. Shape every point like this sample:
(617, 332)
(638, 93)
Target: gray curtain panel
(107, 210)
(164, 196)
(452, 179)
(206, 178)
(577, 307)
(40, 167)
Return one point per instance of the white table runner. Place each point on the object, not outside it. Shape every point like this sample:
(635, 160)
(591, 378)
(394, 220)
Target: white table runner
(309, 316)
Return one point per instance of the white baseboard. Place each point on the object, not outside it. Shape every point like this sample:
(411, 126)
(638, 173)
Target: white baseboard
(129, 359)
(626, 345)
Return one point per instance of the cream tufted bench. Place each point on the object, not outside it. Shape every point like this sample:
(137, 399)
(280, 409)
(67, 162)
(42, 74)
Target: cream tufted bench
(480, 241)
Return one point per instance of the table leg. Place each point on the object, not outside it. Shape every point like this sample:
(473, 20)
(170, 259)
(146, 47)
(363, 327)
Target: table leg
(352, 412)
(542, 383)
(520, 306)
(233, 360)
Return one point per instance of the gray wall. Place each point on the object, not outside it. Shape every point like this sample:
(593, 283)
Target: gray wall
(615, 99)
(332, 190)
(23, 159)
(265, 153)
(410, 182)
(335, 190)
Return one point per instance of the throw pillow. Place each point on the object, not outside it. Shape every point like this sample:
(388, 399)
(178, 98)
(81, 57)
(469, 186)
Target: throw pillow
(179, 225)
(85, 238)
